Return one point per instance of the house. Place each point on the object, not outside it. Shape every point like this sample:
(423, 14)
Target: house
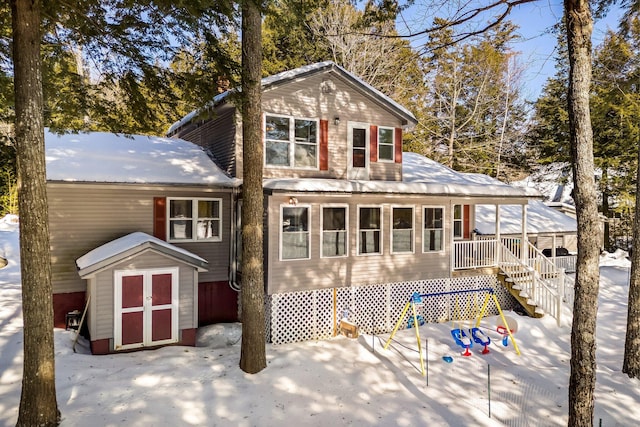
(141, 235)
(352, 224)
(144, 231)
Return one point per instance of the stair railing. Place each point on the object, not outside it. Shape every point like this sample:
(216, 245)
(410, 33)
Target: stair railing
(537, 277)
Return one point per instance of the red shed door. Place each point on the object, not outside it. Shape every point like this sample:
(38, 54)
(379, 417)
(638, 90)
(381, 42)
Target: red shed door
(146, 308)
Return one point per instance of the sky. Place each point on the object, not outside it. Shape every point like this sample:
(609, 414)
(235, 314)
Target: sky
(339, 381)
(537, 44)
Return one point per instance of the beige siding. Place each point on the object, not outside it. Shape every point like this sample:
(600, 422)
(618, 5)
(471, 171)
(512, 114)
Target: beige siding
(317, 272)
(85, 216)
(103, 300)
(303, 98)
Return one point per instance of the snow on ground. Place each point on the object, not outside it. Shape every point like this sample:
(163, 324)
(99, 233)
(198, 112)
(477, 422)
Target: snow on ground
(340, 381)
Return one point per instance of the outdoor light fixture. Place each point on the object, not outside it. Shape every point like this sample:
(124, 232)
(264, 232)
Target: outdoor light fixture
(336, 121)
(293, 201)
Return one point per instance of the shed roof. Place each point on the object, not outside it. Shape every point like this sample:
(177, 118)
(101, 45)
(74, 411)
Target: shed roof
(301, 72)
(113, 158)
(133, 244)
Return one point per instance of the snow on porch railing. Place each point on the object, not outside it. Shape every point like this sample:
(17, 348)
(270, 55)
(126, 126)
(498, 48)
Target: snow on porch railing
(474, 254)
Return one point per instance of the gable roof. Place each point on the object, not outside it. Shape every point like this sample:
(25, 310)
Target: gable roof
(113, 158)
(133, 244)
(302, 72)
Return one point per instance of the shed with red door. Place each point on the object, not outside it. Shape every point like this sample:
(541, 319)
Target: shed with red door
(142, 292)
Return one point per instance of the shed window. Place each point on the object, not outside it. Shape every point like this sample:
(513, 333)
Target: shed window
(195, 220)
(294, 235)
(291, 142)
(369, 230)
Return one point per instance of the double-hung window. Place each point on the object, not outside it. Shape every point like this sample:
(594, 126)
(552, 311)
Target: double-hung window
(402, 230)
(458, 221)
(386, 148)
(291, 142)
(294, 232)
(433, 230)
(334, 231)
(194, 219)
(369, 230)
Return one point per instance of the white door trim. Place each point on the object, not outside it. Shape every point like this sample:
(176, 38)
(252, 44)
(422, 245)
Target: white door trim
(147, 309)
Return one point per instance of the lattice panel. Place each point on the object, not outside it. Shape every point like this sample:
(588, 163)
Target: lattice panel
(309, 315)
(301, 316)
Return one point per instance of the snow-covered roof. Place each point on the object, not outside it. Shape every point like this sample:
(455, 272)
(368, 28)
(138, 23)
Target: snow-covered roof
(540, 219)
(108, 157)
(119, 249)
(553, 181)
(300, 72)
(420, 176)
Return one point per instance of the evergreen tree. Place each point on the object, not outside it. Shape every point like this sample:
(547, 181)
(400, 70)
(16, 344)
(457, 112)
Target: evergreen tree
(466, 110)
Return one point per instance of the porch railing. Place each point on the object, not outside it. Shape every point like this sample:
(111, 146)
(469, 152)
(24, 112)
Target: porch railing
(537, 277)
(475, 254)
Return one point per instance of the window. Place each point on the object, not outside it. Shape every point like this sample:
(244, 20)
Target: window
(294, 236)
(385, 144)
(195, 219)
(402, 230)
(334, 231)
(359, 154)
(461, 221)
(291, 142)
(433, 229)
(369, 230)
(457, 221)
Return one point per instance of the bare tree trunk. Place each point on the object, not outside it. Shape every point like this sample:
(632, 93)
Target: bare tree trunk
(38, 405)
(631, 363)
(583, 339)
(252, 355)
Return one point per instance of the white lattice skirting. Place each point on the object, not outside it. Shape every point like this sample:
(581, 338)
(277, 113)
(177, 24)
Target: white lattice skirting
(309, 315)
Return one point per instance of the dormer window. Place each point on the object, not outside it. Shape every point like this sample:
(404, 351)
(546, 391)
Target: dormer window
(291, 142)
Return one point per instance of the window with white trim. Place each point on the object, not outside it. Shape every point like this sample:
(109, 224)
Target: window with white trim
(458, 221)
(291, 142)
(369, 230)
(402, 230)
(294, 232)
(433, 229)
(334, 231)
(386, 149)
(191, 220)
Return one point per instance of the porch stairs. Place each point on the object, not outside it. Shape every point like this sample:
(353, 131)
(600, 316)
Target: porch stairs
(516, 283)
(534, 280)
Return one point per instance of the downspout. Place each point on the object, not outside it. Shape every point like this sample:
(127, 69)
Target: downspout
(233, 246)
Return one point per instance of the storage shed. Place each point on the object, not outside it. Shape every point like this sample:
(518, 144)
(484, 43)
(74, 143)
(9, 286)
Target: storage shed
(141, 292)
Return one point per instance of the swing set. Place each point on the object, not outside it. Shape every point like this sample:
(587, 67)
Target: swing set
(459, 334)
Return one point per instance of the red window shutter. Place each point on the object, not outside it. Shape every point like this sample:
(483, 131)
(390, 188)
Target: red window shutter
(398, 145)
(465, 219)
(160, 217)
(373, 150)
(324, 145)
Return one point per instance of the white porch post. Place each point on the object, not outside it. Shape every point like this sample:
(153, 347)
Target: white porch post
(524, 247)
(498, 241)
(554, 246)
